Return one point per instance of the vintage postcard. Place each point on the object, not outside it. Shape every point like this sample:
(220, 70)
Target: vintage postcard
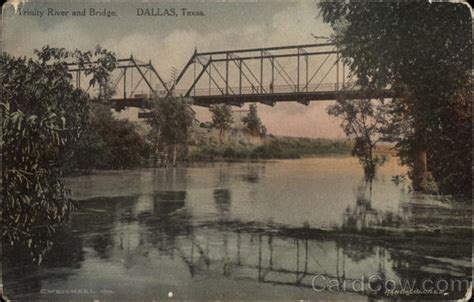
(236, 150)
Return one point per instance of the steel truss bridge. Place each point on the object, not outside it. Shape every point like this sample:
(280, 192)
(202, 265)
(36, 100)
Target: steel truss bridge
(297, 73)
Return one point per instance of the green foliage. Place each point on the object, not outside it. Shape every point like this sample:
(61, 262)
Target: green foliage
(221, 117)
(274, 148)
(362, 120)
(417, 44)
(108, 143)
(43, 116)
(424, 51)
(450, 159)
(276, 151)
(170, 121)
(253, 123)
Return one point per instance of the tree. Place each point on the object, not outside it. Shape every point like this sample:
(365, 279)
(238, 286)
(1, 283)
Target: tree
(108, 143)
(252, 121)
(221, 118)
(43, 116)
(363, 120)
(170, 121)
(106, 90)
(421, 49)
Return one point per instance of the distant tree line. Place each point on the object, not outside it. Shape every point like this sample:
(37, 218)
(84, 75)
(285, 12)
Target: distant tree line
(222, 119)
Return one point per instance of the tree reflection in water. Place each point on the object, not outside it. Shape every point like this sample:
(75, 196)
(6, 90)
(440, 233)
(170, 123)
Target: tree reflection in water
(361, 216)
(148, 233)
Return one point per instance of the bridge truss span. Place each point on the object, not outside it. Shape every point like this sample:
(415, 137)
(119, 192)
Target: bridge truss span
(132, 82)
(299, 73)
(296, 73)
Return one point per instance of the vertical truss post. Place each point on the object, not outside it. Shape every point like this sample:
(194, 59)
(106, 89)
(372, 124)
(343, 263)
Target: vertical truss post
(78, 79)
(210, 76)
(298, 70)
(337, 71)
(240, 76)
(227, 73)
(273, 75)
(125, 83)
(306, 61)
(343, 75)
(261, 72)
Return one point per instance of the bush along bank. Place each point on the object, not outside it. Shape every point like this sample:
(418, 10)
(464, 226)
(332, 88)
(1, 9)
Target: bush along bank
(273, 148)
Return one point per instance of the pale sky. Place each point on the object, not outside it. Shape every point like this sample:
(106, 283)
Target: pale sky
(170, 41)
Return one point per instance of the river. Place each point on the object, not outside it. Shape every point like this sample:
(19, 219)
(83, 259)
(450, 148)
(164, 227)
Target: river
(286, 229)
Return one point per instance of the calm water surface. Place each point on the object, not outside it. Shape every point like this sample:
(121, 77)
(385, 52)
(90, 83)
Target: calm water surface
(243, 230)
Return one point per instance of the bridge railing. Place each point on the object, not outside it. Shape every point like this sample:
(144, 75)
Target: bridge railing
(252, 90)
(139, 94)
(247, 90)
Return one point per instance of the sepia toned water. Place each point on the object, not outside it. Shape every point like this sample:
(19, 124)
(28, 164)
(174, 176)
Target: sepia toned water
(286, 229)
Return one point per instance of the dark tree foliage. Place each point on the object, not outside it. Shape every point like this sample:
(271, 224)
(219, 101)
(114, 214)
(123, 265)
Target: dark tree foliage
(253, 123)
(363, 121)
(43, 116)
(171, 119)
(221, 118)
(424, 51)
(108, 143)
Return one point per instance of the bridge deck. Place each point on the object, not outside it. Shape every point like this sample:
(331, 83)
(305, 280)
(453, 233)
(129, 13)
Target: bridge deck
(265, 98)
(271, 98)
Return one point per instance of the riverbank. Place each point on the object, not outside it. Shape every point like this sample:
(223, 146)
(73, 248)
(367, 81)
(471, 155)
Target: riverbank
(273, 147)
(268, 148)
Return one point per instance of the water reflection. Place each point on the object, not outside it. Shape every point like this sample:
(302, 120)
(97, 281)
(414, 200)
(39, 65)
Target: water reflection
(228, 233)
(361, 216)
(222, 199)
(253, 173)
(152, 234)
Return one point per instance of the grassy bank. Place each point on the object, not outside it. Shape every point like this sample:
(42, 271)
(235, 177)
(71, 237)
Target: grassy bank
(272, 148)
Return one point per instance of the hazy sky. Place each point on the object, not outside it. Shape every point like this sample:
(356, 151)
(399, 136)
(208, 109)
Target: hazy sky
(170, 41)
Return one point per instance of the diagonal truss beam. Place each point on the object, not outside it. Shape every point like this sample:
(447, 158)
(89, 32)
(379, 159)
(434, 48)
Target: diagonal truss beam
(123, 65)
(255, 77)
(204, 68)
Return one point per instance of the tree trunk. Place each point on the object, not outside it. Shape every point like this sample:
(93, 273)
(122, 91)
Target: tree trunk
(166, 156)
(175, 151)
(155, 147)
(420, 169)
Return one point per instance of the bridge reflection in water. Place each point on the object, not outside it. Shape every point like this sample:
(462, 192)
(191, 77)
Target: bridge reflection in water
(156, 235)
